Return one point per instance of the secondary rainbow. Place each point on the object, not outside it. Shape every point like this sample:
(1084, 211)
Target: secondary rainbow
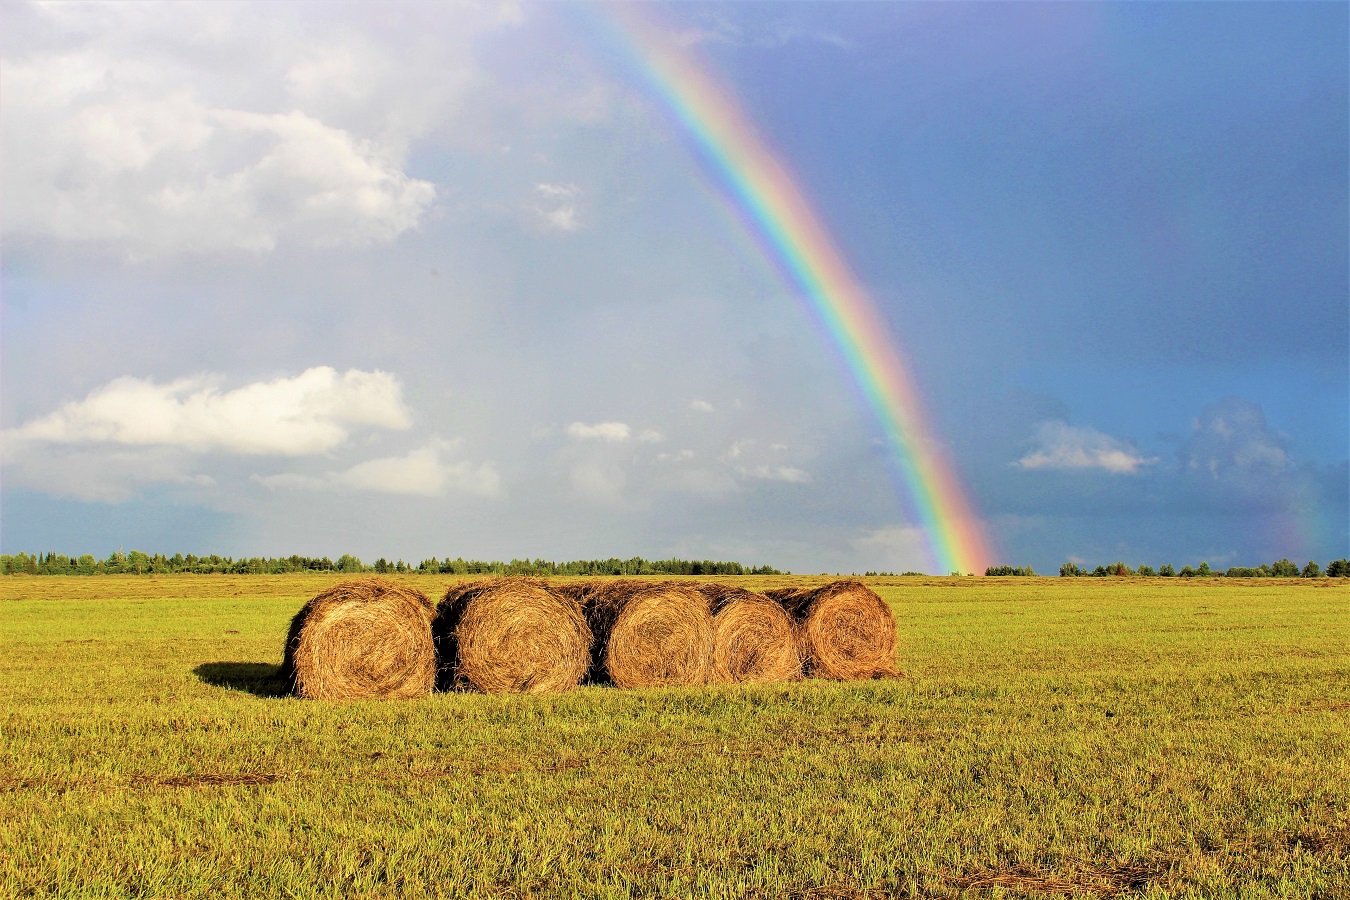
(789, 230)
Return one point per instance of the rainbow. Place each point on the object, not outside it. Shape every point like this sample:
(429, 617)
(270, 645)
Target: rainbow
(789, 231)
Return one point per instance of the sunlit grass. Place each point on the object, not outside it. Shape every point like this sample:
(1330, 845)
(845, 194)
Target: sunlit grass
(1052, 736)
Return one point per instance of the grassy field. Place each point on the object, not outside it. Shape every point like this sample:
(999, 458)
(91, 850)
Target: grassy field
(1052, 737)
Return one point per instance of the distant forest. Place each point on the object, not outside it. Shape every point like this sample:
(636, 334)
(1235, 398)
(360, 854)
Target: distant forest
(1284, 568)
(138, 563)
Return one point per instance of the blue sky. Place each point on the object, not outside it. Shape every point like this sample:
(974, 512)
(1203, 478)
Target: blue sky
(411, 280)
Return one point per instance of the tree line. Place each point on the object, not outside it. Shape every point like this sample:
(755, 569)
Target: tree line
(139, 563)
(1284, 568)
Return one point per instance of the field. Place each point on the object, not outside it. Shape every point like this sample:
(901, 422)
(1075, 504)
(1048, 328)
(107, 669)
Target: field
(1052, 737)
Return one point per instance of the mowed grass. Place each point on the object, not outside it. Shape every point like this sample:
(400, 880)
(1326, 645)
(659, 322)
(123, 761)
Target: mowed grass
(1052, 737)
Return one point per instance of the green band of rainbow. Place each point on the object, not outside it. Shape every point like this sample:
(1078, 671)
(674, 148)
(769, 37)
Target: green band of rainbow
(775, 207)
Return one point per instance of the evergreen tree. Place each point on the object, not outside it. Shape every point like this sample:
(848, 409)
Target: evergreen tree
(1284, 569)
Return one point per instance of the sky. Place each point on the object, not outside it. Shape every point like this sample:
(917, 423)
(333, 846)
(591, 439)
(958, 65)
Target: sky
(415, 280)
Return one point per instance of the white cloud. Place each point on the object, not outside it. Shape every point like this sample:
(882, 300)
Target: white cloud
(159, 172)
(700, 406)
(191, 128)
(312, 412)
(421, 472)
(1065, 446)
(562, 212)
(556, 191)
(651, 436)
(613, 432)
(776, 473)
(751, 459)
(564, 218)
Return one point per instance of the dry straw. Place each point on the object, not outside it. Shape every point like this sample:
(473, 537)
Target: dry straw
(844, 630)
(511, 636)
(753, 637)
(647, 634)
(362, 639)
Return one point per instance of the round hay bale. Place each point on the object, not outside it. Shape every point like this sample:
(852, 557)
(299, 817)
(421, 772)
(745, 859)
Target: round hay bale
(511, 636)
(367, 638)
(844, 630)
(753, 637)
(647, 634)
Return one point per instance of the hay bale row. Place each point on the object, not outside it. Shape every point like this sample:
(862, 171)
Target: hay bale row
(374, 638)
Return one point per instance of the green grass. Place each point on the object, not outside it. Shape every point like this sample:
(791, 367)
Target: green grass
(1091, 737)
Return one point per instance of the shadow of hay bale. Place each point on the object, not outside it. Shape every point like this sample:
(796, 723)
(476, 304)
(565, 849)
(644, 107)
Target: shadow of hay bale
(258, 679)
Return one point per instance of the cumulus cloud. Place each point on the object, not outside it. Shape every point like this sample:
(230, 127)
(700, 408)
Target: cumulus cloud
(613, 432)
(1234, 459)
(557, 206)
(159, 174)
(1231, 440)
(1065, 446)
(752, 459)
(312, 412)
(185, 128)
(423, 472)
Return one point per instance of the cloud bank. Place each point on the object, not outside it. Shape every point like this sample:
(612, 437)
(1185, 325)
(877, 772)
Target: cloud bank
(278, 131)
(309, 413)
